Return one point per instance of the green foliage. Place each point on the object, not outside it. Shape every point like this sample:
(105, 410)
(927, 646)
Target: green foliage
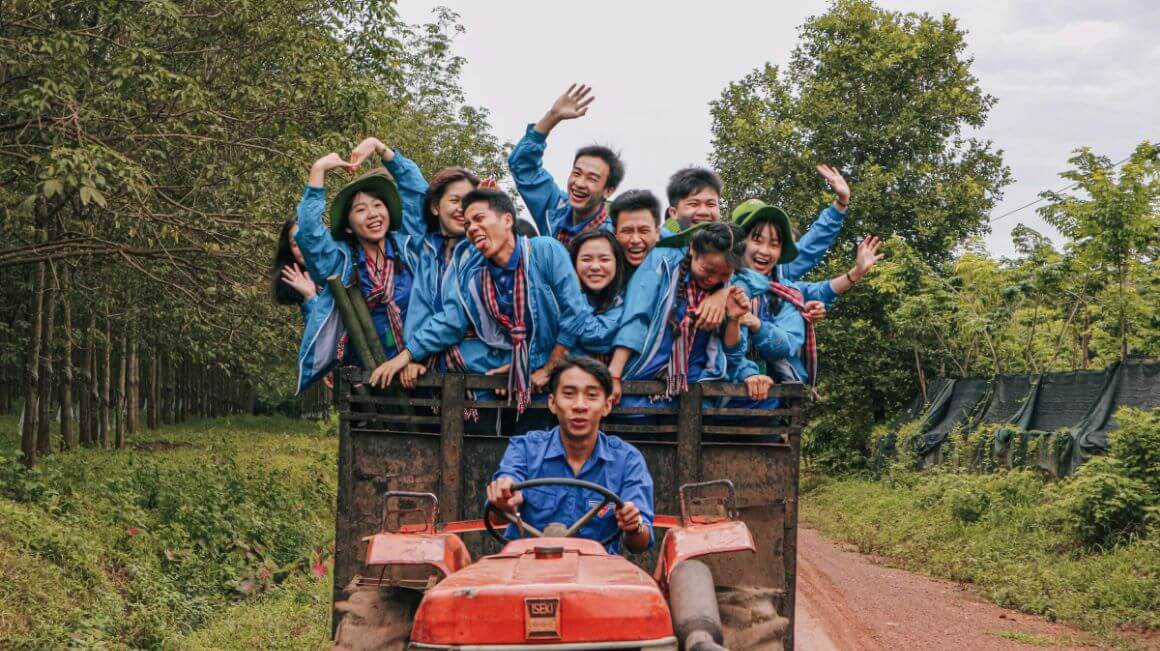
(136, 548)
(1136, 444)
(1105, 507)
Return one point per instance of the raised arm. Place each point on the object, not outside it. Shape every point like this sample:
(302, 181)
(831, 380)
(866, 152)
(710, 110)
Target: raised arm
(526, 162)
(409, 179)
(324, 257)
(868, 254)
(820, 236)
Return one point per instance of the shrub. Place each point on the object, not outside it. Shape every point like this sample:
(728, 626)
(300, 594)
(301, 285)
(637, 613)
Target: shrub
(1137, 445)
(1104, 506)
(968, 505)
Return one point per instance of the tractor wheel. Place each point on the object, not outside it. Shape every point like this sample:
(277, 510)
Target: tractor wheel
(376, 619)
(749, 619)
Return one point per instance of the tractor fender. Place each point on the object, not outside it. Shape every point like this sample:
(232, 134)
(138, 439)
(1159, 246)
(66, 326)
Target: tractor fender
(699, 540)
(445, 552)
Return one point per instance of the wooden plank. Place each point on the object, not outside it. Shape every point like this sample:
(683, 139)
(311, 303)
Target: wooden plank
(689, 436)
(786, 390)
(451, 447)
(738, 411)
(394, 400)
(756, 430)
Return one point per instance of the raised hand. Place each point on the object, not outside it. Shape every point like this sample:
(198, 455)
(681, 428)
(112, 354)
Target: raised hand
(364, 150)
(837, 182)
(868, 254)
(331, 161)
(572, 104)
(293, 276)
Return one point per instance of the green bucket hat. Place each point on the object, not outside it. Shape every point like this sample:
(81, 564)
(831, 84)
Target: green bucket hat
(377, 182)
(754, 209)
(681, 240)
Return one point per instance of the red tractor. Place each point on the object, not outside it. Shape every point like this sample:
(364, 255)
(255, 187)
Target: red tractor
(723, 570)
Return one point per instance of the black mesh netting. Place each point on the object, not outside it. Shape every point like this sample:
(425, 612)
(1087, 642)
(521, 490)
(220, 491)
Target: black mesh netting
(961, 405)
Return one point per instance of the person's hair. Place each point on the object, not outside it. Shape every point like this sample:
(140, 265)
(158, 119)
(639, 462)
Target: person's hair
(439, 184)
(691, 180)
(610, 158)
(720, 237)
(283, 255)
(526, 228)
(630, 200)
(604, 299)
(590, 366)
(497, 200)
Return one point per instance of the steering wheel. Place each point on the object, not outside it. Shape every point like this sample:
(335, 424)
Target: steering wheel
(608, 496)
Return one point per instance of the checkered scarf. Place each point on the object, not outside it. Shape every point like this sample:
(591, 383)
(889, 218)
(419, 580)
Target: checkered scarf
(565, 237)
(519, 377)
(683, 333)
(382, 277)
(810, 352)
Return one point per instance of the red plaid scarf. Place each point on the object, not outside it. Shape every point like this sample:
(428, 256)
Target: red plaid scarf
(683, 333)
(382, 277)
(519, 377)
(565, 237)
(794, 297)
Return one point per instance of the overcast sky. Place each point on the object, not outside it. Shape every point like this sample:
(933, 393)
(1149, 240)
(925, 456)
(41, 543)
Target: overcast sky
(1066, 73)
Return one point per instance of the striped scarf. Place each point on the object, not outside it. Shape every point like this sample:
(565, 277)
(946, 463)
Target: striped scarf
(596, 222)
(519, 377)
(683, 334)
(382, 277)
(794, 297)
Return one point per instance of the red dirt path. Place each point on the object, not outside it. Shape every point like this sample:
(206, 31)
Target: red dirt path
(845, 601)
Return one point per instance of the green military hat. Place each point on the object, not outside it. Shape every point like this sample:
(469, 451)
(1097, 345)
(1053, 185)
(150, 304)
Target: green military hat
(756, 209)
(377, 182)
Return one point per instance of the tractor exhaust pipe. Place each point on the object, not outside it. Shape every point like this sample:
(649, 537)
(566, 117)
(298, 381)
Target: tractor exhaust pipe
(694, 606)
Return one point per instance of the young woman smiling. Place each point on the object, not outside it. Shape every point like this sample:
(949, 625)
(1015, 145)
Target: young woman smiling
(603, 272)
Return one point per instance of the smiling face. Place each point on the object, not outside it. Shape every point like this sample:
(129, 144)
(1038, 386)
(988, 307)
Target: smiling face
(702, 206)
(587, 184)
(450, 208)
(763, 249)
(637, 232)
(579, 402)
(595, 264)
(488, 230)
(710, 270)
(369, 218)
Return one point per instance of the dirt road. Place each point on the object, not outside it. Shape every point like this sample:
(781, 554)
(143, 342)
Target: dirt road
(845, 601)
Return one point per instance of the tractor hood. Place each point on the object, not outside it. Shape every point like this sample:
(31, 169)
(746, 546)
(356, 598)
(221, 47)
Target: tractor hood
(544, 591)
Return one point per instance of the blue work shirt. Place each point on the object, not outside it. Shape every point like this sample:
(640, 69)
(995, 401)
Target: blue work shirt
(505, 284)
(614, 464)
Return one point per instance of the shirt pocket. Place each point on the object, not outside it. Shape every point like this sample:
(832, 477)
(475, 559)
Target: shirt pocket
(542, 504)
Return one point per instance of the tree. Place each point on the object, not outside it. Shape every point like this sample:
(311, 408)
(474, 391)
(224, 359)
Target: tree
(1113, 225)
(887, 97)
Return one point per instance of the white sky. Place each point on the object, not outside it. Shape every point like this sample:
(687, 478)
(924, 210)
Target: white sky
(1066, 73)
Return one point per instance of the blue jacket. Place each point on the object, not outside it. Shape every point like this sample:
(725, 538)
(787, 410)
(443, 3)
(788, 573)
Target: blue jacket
(814, 245)
(326, 257)
(545, 200)
(779, 341)
(560, 314)
(597, 339)
(643, 327)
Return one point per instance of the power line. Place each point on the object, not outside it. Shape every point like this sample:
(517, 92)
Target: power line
(1041, 199)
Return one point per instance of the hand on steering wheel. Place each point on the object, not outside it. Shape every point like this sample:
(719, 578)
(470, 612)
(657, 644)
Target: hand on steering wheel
(608, 496)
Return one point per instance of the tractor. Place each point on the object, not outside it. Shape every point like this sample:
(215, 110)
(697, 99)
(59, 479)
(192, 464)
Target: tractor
(722, 571)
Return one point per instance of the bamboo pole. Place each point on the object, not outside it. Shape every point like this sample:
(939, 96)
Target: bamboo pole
(354, 330)
(363, 315)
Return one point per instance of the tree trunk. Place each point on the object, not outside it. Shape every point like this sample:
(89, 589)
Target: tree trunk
(134, 388)
(68, 435)
(28, 433)
(169, 375)
(94, 383)
(122, 382)
(85, 414)
(44, 417)
(106, 385)
(1123, 314)
(154, 391)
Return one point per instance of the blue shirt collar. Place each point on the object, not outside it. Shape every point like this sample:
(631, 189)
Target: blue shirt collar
(556, 447)
(512, 262)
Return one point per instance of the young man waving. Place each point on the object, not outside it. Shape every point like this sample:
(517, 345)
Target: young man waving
(596, 172)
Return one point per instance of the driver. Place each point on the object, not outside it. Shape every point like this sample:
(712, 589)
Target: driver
(580, 395)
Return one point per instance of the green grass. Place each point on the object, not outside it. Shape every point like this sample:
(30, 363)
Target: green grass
(197, 536)
(1003, 532)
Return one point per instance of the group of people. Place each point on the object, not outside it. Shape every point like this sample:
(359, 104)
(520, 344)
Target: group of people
(598, 288)
(455, 282)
